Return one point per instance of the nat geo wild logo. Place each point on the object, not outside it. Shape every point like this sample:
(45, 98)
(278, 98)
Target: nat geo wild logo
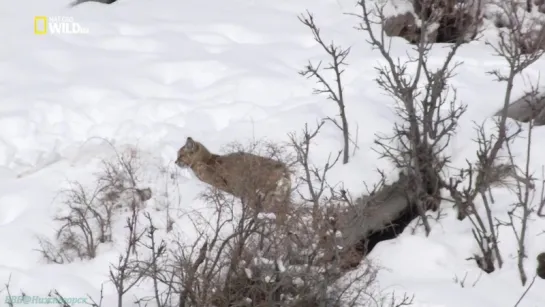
(58, 25)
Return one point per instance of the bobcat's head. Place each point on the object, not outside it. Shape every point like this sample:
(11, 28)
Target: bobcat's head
(189, 154)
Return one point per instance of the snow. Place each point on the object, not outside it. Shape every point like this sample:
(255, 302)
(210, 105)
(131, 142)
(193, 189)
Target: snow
(151, 73)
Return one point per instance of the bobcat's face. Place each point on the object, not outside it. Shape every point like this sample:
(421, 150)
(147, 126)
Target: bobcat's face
(187, 154)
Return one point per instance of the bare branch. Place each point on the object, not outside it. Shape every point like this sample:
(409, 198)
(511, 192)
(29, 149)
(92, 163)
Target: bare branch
(338, 56)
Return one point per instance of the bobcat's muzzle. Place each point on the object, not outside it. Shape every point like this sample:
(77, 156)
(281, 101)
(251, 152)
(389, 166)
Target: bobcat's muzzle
(180, 164)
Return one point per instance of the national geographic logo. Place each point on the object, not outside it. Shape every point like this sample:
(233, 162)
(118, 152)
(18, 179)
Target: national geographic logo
(57, 25)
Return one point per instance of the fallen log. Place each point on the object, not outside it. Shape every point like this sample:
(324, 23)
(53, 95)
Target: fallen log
(526, 108)
(378, 217)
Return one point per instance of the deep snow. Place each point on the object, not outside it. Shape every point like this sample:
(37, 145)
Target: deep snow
(151, 73)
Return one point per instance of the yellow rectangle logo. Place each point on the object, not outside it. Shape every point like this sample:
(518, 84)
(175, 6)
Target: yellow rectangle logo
(38, 21)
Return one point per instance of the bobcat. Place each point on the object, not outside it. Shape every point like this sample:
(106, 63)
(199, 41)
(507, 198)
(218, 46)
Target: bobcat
(261, 182)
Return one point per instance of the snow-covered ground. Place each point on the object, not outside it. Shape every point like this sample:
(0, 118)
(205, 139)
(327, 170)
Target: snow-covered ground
(151, 73)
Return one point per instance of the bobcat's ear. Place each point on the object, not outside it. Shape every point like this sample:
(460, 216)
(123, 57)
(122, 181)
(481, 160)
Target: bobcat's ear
(190, 144)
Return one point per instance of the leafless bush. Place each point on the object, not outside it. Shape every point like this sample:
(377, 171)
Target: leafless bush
(393, 300)
(525, 31)
(334, 91)
(246, 258)
(257, 262)
(418, 143)
(313, 177)
(338, 222)
(237, 255)
(87, 214)
(428, 114)
(421, 94)
(525, 191)
(169, 198)
(462, 282)
(480, 177)
(127, 272)
(490, 169)
(154, 266)
(354, 221)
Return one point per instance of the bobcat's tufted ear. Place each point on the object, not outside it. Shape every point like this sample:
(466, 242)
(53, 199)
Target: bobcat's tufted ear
(190, 144)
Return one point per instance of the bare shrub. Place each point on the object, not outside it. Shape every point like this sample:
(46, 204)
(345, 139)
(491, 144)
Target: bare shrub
(462, 282)
(525, 31)
(87, 214)
(418, 143)
(313, 178)
(127, 272)
(421, 93)
(364, 223)
(236, 255)
(252, 261)
(334, 91)
(246, 258)
(258, 261)
(169, 198)
(335, 220)
(491, 169)
(525, 190)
